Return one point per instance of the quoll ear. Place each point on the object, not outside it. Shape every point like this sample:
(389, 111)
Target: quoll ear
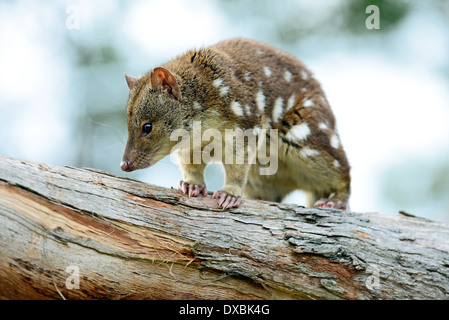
(163, 80)
(130, 80)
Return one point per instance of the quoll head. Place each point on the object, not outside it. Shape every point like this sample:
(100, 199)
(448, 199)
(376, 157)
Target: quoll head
(154, 111)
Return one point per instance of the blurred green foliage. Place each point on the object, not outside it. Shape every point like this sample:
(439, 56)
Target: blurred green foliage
(100, 54)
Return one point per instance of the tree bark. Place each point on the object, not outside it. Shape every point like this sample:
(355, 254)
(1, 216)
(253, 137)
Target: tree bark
(86, 234)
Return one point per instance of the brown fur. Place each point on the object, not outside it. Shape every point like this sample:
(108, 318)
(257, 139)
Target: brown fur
(182, 91)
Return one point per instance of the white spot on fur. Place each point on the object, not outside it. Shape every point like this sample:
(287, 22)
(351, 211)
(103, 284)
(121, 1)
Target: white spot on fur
(217, 82)
(247, 76)
(322, 126)
(288, 76)
(290, 102)
(277, 109)
(267, 71)
(336, 164)
(299, 132)
(308, 103)
(224, 91)
(304, 74)
(247, 109)
(237, 108)
(259, 52)
(335, 142)
(306, 152)
(196, 105)
(256, 130)
(260, 101)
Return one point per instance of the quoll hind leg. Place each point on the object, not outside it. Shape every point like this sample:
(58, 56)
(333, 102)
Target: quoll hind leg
(323, 173)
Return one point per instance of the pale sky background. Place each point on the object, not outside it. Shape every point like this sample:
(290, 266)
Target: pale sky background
(389, 94)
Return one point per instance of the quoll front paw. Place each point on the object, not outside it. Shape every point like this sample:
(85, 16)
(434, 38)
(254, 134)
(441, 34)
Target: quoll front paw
(225, 200)
(192, 190)
(327, 203)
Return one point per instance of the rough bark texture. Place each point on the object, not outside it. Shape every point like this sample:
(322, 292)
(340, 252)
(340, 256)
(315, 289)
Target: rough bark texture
(131, 240)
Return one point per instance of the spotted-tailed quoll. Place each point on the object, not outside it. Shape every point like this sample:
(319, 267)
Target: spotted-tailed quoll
(248, 85)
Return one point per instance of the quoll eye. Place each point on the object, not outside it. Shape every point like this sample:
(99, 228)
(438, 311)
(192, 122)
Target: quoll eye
(146, 129)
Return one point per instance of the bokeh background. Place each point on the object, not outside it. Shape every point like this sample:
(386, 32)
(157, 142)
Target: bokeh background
(63, 93)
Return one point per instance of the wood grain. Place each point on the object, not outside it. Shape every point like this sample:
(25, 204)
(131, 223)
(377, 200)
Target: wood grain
(132, 240)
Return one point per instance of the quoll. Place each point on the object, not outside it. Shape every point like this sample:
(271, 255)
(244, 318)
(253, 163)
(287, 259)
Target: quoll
(246, 84)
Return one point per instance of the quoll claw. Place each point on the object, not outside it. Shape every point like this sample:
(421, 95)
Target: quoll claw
(192, 190)
(327, 203)
(226, 200)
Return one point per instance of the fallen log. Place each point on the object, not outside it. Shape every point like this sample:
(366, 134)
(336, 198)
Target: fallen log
(69, 233)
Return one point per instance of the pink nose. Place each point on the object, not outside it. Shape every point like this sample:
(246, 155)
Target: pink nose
(126, 166)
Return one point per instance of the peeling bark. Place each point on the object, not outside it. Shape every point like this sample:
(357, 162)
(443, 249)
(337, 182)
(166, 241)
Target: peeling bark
(131, 240)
